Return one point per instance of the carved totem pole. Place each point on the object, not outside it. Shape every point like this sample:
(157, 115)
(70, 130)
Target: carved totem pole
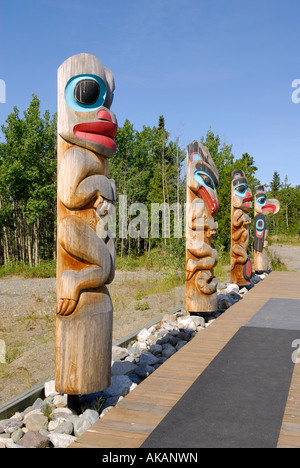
(85, 248)
(241, 204)
(263, 207)
(202, 205)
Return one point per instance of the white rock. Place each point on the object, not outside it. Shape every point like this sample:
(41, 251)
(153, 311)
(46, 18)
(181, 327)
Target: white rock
(132, 386)
(91, 415)
(54, 424)
(61, 413)
(143, 335)
(60, 401)
(61, 440)
(49, 388)
(187, 324)
(119, 353)
(262, 276)
(232, 288)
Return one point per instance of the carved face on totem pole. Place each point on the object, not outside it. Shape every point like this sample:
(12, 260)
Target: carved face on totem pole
(202, 205)
(85, 249)
(241, 193)
(85, 118)
(241, 204)
(263, 207)
(202, 176)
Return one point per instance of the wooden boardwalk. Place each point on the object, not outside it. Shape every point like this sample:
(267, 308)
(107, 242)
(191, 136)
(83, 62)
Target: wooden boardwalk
(131, 421)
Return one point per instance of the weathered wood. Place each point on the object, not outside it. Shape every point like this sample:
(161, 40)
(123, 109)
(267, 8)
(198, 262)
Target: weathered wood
(241, 204)
(202, 205)
(85, 249)
(263, 207)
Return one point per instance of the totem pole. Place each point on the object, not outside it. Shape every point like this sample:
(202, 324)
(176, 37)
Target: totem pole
(85, 249)
(202, 205)
(241, 205)
(263, 207)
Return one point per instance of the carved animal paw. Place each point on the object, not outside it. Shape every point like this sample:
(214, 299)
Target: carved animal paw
(65, 306)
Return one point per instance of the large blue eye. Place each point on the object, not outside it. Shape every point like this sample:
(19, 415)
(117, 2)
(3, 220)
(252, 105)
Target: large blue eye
(261, 200)
(204, 179)
(240, 189)
(85, 93)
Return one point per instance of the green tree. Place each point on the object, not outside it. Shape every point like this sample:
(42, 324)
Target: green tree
(28, 186)
(275, 185)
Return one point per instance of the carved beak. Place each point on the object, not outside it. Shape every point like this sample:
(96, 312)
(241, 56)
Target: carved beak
(272, 206)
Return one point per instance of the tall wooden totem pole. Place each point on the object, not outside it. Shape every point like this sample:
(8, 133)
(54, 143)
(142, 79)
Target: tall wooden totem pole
(263, 207)
(85, 249)
(241, 205)
(202, 205)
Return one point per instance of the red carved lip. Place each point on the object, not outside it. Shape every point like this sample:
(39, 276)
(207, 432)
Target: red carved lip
(269, 207)
(102, 131)
(211, 203)
(260, 235)
(247, 199)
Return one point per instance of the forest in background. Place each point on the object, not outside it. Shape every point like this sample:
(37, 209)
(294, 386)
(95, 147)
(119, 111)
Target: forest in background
(148, 168)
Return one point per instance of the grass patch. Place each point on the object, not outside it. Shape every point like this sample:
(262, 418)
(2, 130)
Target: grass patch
(277, 263)
(222, 269)
(157, 259)
(142, 306)
(285, 239)
(45, 269)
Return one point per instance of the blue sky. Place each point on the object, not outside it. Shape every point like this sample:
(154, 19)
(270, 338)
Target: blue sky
(224, 64)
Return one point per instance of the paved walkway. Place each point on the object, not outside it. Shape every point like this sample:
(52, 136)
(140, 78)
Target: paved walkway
(237, 379)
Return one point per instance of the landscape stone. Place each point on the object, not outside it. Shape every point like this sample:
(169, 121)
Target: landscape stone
(168, 351)
(198, 320)
(187, 324)
(91, 415)
(148, 358)
(65, 427)
(135, 378)
(122, 367)
(156, 349)
(120, 385)
(80, 425)
(232, 288)
(17, 435)
(38, 404)
(35, 421)
(3, 423)
(143, 335)
(119, 353)
(61, 440)
(61, 413)
(49, 388)
(143, 370)
(33, 439)
(12, 425)
(60, 401)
